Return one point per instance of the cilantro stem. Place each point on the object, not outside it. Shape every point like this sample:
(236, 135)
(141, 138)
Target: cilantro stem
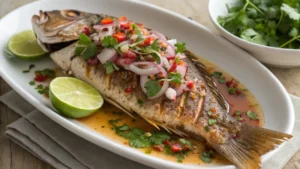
(253, 6)
(290, 41)
(281, 17)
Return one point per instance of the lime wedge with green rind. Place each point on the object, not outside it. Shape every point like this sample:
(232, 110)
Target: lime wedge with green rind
(24, 45)
(74, 98)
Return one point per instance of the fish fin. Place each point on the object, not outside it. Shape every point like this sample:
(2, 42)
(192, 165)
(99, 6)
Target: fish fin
(208, 79)
(120, 107)
(246, 150)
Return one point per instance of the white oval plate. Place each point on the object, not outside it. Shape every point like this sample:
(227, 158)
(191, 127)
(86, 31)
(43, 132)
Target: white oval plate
(279, 113)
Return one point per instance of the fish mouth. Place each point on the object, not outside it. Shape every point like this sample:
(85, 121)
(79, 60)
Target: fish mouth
(48, 38)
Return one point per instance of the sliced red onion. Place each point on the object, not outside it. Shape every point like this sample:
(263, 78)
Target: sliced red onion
(159, 35)
(171, 94)
(181, 55)
(122, 23)
(170, 52)
(180, 89)
(109, 32)
(182, 70)
(124, 42)
(93, 61)
(165, 62)
(107, 54)
(164, 87)
(150, 68)
(124, 62)
(101, 27)
(172, 42)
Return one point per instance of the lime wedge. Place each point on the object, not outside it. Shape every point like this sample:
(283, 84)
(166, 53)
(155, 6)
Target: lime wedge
(24, 45)
(73, 97)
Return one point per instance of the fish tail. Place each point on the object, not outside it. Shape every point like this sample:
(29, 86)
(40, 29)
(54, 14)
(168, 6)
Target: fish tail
(245, 151)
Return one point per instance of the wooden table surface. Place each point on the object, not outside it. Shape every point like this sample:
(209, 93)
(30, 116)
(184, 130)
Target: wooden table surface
(14, 157)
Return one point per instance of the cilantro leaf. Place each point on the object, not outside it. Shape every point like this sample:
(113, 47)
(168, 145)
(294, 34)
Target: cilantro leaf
(180, 47)
(155, 54)
(110, 67)
(175, 77)
(85, 48)
(138, 32)
(252, 115)
(152, 88)
(291, 12)
(155, 46)
(109, 42)
(140, 102)
(32, 83)
(212, 121)
(207, 156)
(159, 137)
(252, 36)
(217, 74)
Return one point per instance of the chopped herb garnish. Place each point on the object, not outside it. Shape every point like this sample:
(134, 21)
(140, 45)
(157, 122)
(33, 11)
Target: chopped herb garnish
(207, 128)
(140, 102)
(109, 42)
(185, 142)
(152, 88)
(31, 66)
(212, 121)
(207, 156)
(252, 115)
(237, 113)
(44, 90)
(38, 87)
(110, 67)
(232, 91)
(217, 74)
(153, 53)
(209, 113)
(85, 48)
(148, 151)
(138, 32)
(175, 77)
(155, 46)
(158, 137)
(46, 72)
(222, 80)
(180, 157)
(32, 83)
(177, 60)
(239, 118)
(180, 47)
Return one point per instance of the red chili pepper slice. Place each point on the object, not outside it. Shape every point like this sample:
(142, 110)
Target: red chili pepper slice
(120, 37)
(167, 142)
(86, 31)
(39, 77)
(125, 26)
(190, 84)
(107, 21)
(173, 67)
(123, 18)
(128, 90)
(176, 148)
(129, 54)
(147, 41)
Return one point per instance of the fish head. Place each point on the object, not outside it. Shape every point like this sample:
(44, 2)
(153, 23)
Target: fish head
(58, 28)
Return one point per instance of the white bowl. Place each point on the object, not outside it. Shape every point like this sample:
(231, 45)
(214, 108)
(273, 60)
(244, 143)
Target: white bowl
(275, 101)
(275, 57)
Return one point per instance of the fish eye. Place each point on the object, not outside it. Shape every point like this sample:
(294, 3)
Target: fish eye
(71, 14)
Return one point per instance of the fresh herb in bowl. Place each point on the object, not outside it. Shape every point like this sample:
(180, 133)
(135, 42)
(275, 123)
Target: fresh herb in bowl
(273, 23)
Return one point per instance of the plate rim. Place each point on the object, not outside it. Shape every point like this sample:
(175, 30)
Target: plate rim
(124, 150)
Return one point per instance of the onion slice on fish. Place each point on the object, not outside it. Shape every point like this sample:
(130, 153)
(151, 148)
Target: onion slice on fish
(172, 42)
(166, 63)
(125, 62)
(182, 70)
(159, 35)
(170, 52)
(180, 89)
(164, 87)
(107, 54)
(144, 68)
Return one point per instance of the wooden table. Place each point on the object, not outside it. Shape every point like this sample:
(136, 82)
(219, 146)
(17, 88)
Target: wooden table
(14, 157)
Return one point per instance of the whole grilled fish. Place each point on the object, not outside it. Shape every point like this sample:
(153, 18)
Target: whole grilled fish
(240, 143)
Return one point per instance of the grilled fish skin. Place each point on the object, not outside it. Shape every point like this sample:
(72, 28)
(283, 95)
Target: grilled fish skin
(186, 116)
